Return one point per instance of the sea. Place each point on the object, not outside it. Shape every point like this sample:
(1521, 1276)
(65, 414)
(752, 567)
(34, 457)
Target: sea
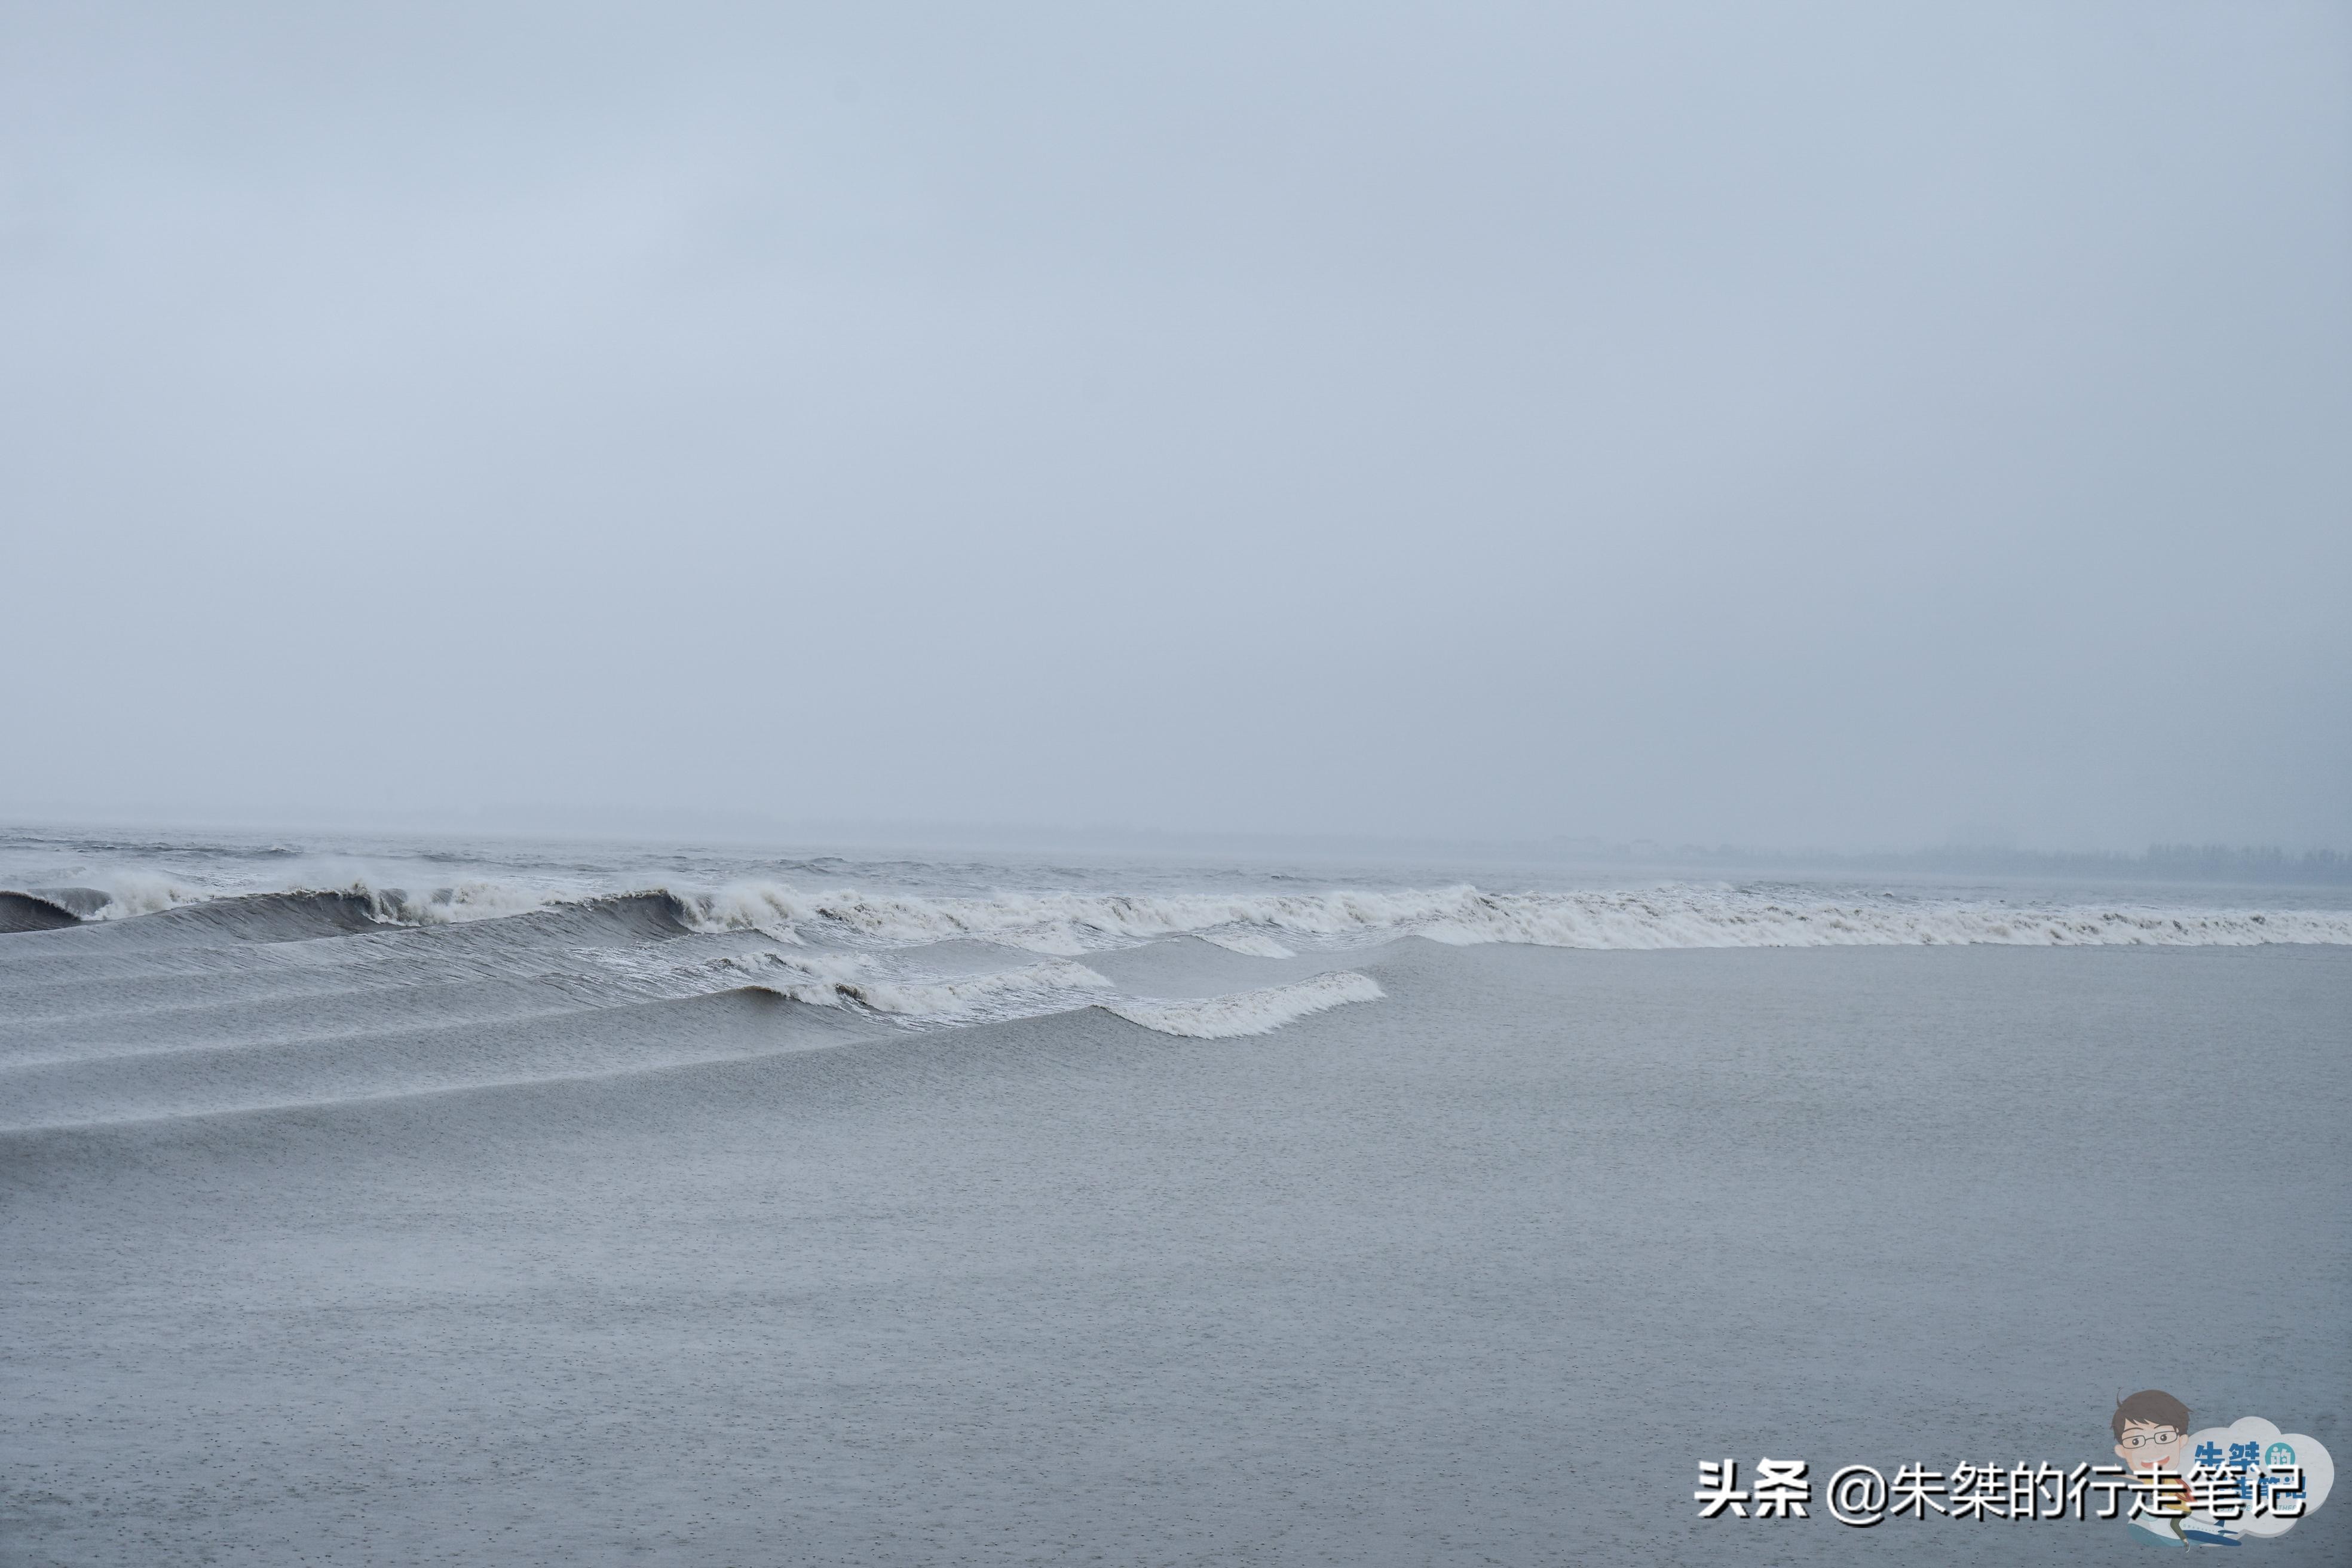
(413, 1199)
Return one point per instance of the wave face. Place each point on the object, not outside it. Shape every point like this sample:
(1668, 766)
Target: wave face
(1252, 1012)
(35, 912)
(163, 979)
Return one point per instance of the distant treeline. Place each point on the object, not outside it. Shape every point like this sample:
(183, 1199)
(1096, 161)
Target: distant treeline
(2160, 863)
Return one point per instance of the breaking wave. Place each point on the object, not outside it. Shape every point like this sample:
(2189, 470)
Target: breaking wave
(842, 981)
(1251, 1011)
(127, 897)
(1269, 925)
(1675, 916)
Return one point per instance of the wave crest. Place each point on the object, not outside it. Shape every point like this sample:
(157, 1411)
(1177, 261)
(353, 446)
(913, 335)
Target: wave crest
(1250, 1011)
(846, 981)
(1071, 924)
(1674, 916)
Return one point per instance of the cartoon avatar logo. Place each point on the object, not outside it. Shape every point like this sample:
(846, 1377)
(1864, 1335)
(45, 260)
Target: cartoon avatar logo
(2220, 1485)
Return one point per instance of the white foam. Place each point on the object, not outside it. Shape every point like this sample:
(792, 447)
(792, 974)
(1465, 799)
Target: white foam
(1670, 916)
(480, 900)
(1071, 924)
(1249, 1012)
(131, 893)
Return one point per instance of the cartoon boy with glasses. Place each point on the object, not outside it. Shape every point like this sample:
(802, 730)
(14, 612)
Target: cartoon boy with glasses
(2149, 1428)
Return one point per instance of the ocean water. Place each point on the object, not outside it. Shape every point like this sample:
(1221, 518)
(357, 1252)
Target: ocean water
(407, 1201)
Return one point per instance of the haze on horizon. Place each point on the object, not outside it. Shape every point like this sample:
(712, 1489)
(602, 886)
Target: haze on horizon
(1823, 425)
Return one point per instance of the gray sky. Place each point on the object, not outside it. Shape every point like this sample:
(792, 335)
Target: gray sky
(1838, 424)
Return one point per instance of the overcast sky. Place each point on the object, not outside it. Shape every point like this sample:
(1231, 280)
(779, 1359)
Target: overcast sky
(1828, 424)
